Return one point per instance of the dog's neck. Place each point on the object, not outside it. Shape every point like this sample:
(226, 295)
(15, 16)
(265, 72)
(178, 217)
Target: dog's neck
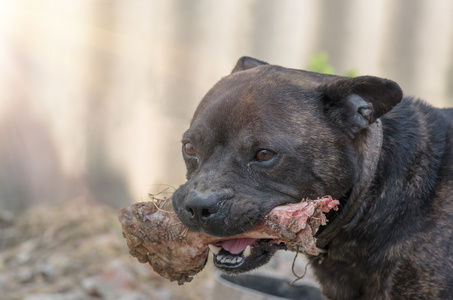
(368, 152)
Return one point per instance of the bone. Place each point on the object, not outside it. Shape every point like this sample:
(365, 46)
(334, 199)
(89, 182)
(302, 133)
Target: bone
(154, 234)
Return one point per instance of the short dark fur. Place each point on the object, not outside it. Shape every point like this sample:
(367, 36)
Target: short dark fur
(393, 235)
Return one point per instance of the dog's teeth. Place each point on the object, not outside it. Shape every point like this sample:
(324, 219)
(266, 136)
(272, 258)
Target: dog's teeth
(214, 249)
(247, 251)
(228, 259)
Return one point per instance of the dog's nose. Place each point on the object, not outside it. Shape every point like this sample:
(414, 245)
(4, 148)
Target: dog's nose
(200, 206)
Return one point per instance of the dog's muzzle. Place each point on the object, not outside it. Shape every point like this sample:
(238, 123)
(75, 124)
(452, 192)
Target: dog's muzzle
(203, 211)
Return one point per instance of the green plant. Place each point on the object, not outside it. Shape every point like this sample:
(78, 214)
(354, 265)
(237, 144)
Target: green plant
(320, 63)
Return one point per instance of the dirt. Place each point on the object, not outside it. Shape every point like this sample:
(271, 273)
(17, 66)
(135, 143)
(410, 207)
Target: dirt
(76, 251)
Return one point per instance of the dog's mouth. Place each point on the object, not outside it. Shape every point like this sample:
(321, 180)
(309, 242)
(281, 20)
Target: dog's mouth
(243, 254)
(290, 227)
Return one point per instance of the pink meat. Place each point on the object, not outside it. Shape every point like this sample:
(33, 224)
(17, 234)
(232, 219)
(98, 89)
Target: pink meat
(154, 234)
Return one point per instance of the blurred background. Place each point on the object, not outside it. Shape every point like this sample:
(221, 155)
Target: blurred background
(95, 95)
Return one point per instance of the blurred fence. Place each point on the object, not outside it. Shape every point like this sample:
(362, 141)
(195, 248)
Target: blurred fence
(95, 95)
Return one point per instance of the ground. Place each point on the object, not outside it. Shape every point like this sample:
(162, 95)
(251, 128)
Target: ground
(76, 251)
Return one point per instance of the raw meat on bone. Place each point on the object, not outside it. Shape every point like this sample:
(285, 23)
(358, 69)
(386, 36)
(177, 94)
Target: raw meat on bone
(154, 234)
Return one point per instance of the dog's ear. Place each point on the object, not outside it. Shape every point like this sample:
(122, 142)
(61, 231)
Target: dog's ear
(355, 103)
(245, 63)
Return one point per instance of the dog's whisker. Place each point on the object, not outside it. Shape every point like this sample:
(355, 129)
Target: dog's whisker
(251, 223)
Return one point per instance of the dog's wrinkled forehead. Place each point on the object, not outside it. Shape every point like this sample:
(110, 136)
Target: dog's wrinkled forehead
(260, 84)
(261, 99)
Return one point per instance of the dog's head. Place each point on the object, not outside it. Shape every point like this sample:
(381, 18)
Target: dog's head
(265, 136)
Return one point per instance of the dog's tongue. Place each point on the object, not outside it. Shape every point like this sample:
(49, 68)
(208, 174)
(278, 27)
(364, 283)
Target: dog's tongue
(236, 246)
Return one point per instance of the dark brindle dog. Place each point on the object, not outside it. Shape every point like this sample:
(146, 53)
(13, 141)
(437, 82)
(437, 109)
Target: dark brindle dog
(266, 136)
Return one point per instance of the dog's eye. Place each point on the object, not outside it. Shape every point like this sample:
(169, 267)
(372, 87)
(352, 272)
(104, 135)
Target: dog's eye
(189, 149)
(264, 155)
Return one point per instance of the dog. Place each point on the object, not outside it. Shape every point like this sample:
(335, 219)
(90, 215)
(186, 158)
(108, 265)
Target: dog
(266, 136)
